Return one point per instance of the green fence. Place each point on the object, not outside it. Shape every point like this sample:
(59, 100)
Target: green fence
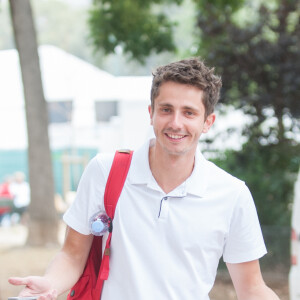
(12, 161)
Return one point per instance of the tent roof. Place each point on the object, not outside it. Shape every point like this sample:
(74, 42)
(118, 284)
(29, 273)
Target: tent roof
(67, 77)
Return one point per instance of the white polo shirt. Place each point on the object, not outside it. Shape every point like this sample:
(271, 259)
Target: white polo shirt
(167, 246)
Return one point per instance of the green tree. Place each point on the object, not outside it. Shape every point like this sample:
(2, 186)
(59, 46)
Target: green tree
(139, 27)
(270, 172)
(259, 60)
(256, 50)
(64, 26)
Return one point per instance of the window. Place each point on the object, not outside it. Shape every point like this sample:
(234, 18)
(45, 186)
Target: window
(105, 110)
(60, 111)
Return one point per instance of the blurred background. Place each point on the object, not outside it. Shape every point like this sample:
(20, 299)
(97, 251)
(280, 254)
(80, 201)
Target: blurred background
(75, 80)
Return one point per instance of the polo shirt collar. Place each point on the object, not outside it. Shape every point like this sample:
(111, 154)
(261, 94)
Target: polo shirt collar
(140, 172)
(196, 184)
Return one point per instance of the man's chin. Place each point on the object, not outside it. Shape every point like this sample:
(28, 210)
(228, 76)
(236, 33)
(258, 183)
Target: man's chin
(176, 152)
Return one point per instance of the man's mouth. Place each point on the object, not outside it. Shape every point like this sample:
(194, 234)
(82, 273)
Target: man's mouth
(175, 136)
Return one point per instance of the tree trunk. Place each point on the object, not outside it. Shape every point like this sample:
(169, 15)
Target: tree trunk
(43, 223)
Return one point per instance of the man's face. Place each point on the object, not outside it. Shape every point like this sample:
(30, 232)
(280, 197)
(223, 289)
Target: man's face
(178, 118)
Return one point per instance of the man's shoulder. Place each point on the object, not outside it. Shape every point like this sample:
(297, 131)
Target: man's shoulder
(104, 158)
(218, 174)
(101, 162)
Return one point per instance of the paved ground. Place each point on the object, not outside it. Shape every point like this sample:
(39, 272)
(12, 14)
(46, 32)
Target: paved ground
(17, 260)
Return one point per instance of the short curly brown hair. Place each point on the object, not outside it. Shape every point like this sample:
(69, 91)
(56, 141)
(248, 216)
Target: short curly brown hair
(192, 72)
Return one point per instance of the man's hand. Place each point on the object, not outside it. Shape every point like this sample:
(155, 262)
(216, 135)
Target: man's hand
(62, 273)
(35, 286)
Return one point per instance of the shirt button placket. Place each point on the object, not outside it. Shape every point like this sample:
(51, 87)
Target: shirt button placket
(164, 208)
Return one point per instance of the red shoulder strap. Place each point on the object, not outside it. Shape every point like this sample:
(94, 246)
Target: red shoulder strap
(116, 180)
(113, 189)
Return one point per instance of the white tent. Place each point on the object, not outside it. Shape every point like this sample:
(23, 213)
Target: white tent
(66, 77)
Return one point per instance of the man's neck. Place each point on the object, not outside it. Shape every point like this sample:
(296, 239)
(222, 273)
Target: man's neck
(169, 170)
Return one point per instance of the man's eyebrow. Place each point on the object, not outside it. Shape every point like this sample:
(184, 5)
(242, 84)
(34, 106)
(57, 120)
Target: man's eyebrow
(165, 104)
(168, 105)
(190, 108)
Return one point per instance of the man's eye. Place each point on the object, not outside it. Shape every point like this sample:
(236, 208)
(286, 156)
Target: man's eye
(189, 113)
(165, 109)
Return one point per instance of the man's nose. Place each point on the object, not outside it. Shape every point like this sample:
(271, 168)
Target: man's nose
(176, 120)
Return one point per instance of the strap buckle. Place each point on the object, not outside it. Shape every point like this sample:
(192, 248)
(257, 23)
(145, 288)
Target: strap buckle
(124, 151)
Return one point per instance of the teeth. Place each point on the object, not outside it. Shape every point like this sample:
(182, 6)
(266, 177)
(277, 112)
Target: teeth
(173, 136)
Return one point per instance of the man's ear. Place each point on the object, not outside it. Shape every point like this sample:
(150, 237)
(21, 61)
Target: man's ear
(210, 119)
(150, 113)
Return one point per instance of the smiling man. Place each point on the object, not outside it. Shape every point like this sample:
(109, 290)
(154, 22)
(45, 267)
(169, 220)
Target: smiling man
(178, 213)
(178, 119)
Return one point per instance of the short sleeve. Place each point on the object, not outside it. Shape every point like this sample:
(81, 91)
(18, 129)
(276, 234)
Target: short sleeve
(244, 241)
(89, 196)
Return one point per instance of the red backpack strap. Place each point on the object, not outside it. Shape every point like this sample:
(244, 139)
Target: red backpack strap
(113, 189)
(89, 285)
(116, 180)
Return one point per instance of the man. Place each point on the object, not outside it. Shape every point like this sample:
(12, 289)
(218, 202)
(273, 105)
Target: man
(177, 214)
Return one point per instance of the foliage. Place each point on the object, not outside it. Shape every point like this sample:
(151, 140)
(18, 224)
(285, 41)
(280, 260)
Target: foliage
(56, 19)
(133, 25)
(205, 7)
(62, 25)
(141, 28)
(256, 50)
(259, 60)
(269, 171)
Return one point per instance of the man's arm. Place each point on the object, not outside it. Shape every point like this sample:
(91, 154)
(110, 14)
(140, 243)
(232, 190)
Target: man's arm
(248, 282)
(64, 270)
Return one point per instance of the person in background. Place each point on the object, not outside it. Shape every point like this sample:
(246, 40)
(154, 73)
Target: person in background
(5, 189)
(21, 196)
(6, 201)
